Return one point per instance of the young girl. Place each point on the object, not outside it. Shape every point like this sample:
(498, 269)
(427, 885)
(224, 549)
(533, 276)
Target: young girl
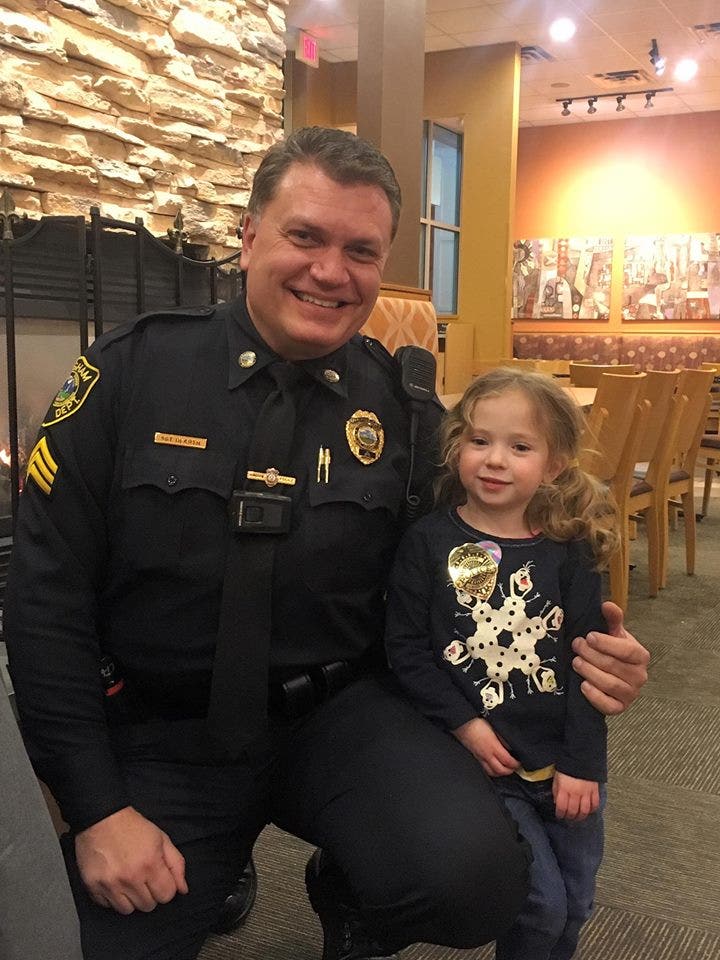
(486, 596)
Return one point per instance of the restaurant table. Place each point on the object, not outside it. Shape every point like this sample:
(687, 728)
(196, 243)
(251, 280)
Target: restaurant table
(583, 396)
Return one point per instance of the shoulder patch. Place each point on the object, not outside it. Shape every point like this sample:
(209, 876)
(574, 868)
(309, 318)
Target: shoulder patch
(73, 393)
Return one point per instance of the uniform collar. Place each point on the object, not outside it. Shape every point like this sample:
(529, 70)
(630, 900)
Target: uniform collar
(248, 353)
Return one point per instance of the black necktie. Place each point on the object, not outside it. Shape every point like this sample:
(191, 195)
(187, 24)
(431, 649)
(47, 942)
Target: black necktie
(238, 695)
(275, 425)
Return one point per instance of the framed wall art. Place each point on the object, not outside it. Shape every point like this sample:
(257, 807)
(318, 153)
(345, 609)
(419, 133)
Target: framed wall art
(672, 277)
(562, 279)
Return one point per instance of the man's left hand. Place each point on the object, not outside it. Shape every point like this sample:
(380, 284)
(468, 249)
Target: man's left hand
(613, 665)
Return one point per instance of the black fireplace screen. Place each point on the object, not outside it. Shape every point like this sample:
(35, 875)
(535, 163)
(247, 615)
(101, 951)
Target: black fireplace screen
(63, 281)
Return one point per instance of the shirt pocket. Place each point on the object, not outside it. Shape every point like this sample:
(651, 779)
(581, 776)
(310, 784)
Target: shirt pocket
(351, 528)
(174, 502)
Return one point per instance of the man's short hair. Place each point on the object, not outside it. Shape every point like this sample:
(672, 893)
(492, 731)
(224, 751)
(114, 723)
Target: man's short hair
(342, 156)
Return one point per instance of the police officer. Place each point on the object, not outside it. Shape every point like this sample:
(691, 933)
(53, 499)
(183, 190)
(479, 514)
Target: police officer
(195, 610)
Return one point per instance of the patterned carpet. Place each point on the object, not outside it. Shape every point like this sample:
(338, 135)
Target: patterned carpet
(659, 887)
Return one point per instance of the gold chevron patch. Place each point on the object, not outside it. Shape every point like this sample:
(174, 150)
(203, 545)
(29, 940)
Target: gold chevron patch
(42, 468)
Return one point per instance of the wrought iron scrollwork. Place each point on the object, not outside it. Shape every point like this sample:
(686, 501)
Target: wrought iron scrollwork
(8, 216)
(176, 233)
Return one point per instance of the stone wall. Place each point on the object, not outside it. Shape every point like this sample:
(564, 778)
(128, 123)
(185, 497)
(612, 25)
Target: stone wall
(140, 107)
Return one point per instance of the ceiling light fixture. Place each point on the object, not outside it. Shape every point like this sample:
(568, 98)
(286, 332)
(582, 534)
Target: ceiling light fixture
(656, 60)
(562, 30)
(685, 70)
(593, 98)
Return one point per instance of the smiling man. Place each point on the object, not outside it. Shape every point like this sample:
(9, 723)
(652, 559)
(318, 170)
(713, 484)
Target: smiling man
(195, 609)
(323, 247)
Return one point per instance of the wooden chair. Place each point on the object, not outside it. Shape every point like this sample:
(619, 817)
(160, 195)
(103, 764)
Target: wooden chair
(709, 456)
(709, 452)
(677, 486)
(609, 452)
(654, 452)
(398, 321)
(588, 374)
(481, 365)
(553, 368)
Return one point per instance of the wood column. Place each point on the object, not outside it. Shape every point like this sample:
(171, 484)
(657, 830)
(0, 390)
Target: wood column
(391, 77)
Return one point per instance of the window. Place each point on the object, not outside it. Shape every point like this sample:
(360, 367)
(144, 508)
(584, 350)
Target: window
(440, 220)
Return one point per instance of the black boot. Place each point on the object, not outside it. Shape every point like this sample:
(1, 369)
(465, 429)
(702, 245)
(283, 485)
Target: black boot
(345, 937)
(240, 902)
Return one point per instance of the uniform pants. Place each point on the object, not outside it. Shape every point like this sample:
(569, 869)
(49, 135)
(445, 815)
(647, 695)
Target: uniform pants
(426, 847)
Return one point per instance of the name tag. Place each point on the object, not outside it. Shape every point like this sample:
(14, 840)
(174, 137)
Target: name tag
(177, 440)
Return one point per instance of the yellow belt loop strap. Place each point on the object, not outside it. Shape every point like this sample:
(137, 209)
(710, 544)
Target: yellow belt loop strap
(535, 776)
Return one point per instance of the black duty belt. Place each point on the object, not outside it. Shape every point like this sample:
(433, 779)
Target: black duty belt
(299, 695)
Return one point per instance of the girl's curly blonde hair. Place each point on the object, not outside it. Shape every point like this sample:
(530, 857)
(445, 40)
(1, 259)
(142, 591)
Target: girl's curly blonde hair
(575, 506)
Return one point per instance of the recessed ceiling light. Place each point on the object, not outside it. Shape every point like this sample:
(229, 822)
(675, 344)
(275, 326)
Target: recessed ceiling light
(562, 29)
(560, 85)
(685, 69)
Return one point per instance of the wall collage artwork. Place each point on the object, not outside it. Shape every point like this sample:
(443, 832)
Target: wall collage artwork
(562, 279)
(671, 277)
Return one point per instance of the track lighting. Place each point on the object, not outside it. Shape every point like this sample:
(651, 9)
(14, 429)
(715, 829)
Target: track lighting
(656, 60)
(593, 98)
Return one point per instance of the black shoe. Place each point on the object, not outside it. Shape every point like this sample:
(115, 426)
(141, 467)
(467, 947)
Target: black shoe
(240, 902)
(345, 937)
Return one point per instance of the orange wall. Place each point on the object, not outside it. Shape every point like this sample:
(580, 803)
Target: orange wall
(643, 176)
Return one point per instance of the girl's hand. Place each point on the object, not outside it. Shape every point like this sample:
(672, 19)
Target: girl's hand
(483, 743)
(574, 799)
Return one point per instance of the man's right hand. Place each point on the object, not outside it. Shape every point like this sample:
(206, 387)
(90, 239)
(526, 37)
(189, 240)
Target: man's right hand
(128, 863)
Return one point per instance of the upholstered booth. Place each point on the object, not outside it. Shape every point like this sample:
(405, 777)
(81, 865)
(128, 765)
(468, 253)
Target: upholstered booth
(402, 317)
(648, 351)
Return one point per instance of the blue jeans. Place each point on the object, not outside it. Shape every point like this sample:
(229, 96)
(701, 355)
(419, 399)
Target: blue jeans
(566, 858)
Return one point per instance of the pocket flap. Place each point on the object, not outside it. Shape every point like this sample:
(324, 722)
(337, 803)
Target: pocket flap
(173, 469)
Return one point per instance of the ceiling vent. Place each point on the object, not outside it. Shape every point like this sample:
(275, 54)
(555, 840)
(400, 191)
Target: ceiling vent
(535, 54)
(706, 31)
(622, 78)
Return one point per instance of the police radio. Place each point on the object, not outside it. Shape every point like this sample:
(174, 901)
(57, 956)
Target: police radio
(417, 379)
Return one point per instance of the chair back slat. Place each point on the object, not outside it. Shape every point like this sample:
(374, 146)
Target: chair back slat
(658, 468)
(695, 385)
(660, 386)
(607, 431)
(588, 374)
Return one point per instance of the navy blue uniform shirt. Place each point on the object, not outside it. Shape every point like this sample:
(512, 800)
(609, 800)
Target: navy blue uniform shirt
(121, 540)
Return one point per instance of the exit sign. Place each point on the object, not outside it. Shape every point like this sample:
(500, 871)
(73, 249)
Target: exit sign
(307, 49)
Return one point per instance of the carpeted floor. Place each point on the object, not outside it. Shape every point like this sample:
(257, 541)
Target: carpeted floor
(659, 887)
